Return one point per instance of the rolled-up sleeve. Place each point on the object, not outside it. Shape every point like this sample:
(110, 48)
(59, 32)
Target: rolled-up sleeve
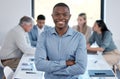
(80, 60)
(41, 61)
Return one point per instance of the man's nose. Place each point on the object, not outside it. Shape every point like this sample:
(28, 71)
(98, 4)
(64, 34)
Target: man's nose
(61, 17)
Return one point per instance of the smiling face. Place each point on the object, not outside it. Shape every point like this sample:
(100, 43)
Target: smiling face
(96, 28)
(61, 16)
(81, 20)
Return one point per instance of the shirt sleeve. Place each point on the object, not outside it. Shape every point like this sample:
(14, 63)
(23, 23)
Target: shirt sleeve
(22, 43)
(41, 61)
(92, 39)
(80, 60)
(33, 43)
(106, 40)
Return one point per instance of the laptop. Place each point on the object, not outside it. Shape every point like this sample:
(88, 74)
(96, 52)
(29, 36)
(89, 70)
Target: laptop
(101, 73)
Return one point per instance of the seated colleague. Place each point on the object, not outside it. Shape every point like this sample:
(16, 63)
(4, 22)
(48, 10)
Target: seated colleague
(37, 29)
(16, 43)
(103, 37)
(61, 52)
(82, 26)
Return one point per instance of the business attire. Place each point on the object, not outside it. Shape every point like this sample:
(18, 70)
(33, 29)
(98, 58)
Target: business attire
(110, 53)
(15, 44)
(87, 32)
(34, 34)
(53, 50)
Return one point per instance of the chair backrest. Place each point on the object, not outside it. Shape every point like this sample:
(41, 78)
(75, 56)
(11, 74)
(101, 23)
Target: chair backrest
(1, 65)
(8, 72)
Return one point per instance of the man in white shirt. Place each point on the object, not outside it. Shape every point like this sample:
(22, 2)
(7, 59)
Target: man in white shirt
(37, 30)
(16, 43)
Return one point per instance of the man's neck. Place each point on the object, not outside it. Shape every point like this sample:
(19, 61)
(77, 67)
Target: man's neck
(61, 31)
(40, 27)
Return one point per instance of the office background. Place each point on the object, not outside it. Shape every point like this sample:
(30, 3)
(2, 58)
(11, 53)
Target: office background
(13, 10)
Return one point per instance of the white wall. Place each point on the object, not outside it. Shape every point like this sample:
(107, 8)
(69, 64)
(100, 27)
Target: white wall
(10, 13)
(112, 18)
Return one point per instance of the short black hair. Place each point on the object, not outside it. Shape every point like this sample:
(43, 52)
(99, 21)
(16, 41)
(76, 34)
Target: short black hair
(62, 5)
(41, 17)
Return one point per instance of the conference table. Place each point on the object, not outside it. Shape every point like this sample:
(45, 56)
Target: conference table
(27, 70)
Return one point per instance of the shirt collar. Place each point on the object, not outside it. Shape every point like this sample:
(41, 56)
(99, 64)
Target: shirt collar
(69, 32)
(20, 27)
(39, 28)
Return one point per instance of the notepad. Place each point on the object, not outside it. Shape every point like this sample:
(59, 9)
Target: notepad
(27, 66)
(101, 73)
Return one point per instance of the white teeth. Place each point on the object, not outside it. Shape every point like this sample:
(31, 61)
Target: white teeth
(61, 22)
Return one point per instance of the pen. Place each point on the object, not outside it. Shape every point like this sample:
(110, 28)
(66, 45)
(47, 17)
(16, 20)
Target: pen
(30, 72)
(29, 69)
(95, 61)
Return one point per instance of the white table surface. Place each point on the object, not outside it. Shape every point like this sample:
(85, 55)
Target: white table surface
(26, 63)
(95, 62)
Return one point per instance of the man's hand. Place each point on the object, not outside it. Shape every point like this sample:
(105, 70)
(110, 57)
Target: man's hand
(70, 62)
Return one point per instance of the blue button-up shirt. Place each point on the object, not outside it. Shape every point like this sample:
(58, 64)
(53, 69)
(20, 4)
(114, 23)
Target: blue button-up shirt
(53, 51)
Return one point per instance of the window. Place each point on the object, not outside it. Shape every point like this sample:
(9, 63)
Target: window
(91, 7)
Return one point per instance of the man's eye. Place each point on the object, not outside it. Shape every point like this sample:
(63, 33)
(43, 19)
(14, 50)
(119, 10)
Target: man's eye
(65, 14)
(56, 14)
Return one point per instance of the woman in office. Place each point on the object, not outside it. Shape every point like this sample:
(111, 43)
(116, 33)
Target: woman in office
(82, 26)
(103, 37)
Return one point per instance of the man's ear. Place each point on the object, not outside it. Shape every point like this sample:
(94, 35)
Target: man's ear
(52, 15)
(70, 15)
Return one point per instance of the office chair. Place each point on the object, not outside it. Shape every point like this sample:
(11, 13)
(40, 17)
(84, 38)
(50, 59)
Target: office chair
(8, 72)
